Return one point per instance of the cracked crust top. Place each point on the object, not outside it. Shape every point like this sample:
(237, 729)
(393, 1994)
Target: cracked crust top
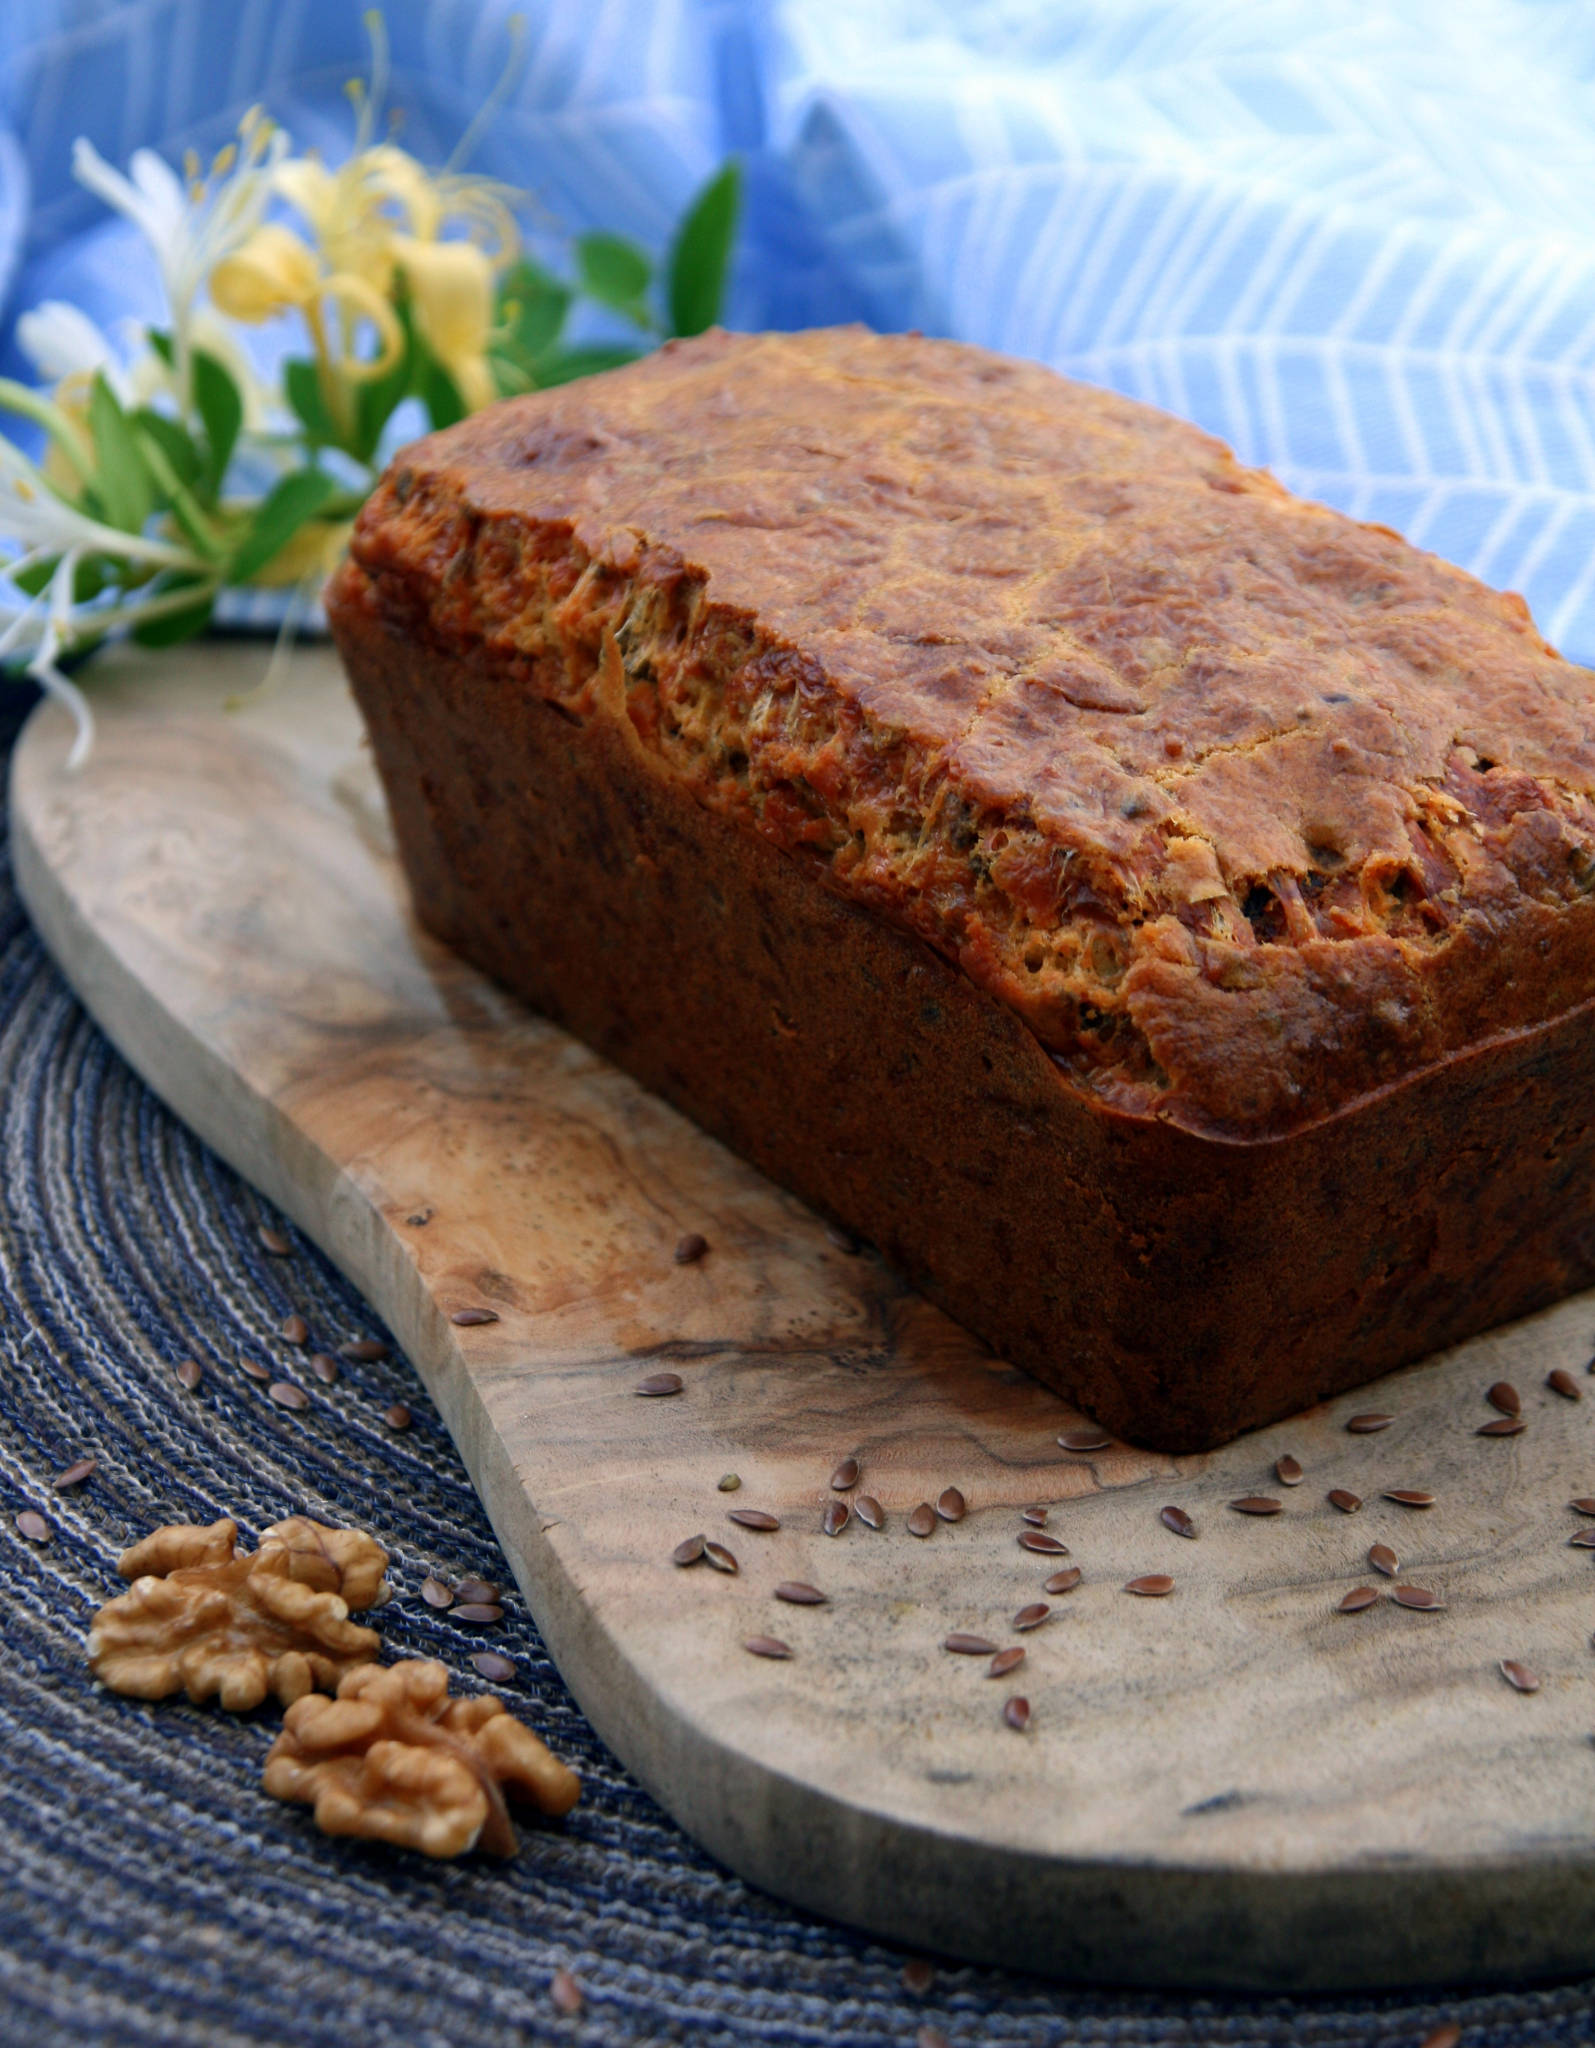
(1248, 809)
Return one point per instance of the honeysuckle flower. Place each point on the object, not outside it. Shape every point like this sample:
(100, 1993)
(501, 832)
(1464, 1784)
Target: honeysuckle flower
(63, 343)
(451, 296)
(272, 271)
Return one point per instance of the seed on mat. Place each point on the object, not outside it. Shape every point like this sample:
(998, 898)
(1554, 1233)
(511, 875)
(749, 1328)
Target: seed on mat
(1446, 2036)
(363, 1350)
(478, 1610)
(1563, 1383)
(254, 1368)
(1409, 1497)
(495, 1669)
(476, 1589)
(717, 1555)
(922, 1521)
(1085, 1440)
(951, 1505)
(931, 2037)
(767, 1646)
(324, 1366)
(1521, 1676)
(1006, 1661)
(1257, 1504)
(1357, 1599)
(295, 1330)
(1384, 1559)
(435, 1593)
(397, 1417)
(1036, 1517)
(964, 1645)
(1177, 1520)
(565, 1994)
(1348, 1503)
(473, 1318)
(1151, 1585)
(1419, 1597)
(729, 1482)
(1582, 1539)
(753, 1518)
(869, 1511)
(691, 1248)
(1041, 1543)
(1584, 1505)
(33, 1525)
(274, 1242)
(1505, 1396)
(1370, 1424)
(918, 1976)
(1032, 1616)
(836, 1517)
(689, 1550)
(1288, 1471)
(74, 1475)
(1504, 1425)
(287, 1395)
(1016, 1712)
(189, 1373)
(658, 1384)
(1064, 1581)
(845, 1475)
(797, 1594)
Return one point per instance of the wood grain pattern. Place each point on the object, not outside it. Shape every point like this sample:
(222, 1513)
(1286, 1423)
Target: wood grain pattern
(1234, 1785)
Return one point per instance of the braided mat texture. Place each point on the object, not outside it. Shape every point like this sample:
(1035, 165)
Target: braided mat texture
(150, 1893)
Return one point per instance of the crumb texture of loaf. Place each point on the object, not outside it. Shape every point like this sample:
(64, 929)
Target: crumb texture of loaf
(1249, 810)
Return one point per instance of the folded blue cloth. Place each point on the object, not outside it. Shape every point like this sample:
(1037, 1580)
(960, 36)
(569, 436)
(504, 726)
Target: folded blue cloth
(1356, 241)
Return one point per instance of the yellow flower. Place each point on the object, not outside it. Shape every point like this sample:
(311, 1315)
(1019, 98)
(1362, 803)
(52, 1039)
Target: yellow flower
(451, 295)
(271, 272)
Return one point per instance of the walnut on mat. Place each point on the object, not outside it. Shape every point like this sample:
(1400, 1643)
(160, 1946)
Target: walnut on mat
(202, 1620)
(395, 1759)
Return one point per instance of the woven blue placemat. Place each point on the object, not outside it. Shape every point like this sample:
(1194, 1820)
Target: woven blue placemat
(149, 1891)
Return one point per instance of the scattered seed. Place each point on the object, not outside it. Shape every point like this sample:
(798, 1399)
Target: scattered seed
(845, 1475)
(1384, 1559)
(869, 1511)
(1064, 1581)
(254, 1368)
(1418, 1597)
(324, 1366)
(1348, 1503)
(1151, 1585)
(1521, 1676)
(931, 2037)
(1006, 1661)
(495, 1669)
(74, 1475)
(965, 1645)
(1032, 1616)
(33, 1525)
(717, 1555)
(436, 1594)
(1584, 1539)
(1042, 1544)
(660, 1383)
(753, 1518)
(767, 1646)
(1409, 1497)
(397, 1417)
(1084, 1440)
(420, 1219)
(1288, 1471)
(836, 1517)
(1369, 1425)
(918, 1976)
(844, 1240)
(363, 1350)
(274, 1242)
(1446, 2036)
(690, 1550)
(1584, 1505)
(1036, 1517)
(473, 1318)
(797, 1594)
(1505, 1396)
(476, 1589)
(295, 1330)
(729, 1482)
(1177, 1520)
(922, 1522)
(691, 1248)
(1016, 1712)
(1257, 1504)
(565, 1994)
(478, 1610)
(189, 1373)
(951, 1505)
(1505, 1425)
(287, 1395)
(1563, 1383)
(1357, 1599)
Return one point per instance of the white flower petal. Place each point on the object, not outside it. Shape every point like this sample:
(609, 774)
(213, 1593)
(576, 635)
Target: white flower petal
(60, 340)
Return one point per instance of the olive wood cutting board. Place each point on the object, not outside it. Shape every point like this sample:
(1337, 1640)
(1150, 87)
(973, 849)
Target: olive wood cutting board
(1231, 1785)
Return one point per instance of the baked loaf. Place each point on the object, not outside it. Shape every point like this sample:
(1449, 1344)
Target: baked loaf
(1158, 911)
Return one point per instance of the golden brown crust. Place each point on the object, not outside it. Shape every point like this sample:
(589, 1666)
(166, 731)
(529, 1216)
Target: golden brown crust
(1246, 808)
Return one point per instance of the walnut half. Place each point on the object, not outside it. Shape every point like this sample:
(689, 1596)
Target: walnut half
(202, 1620)
(394, 1759)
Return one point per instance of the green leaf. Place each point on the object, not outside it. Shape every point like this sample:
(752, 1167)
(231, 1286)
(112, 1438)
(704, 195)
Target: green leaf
(511, 377)
(532, 306)
(702, 252)
(161, 342)
(277, 519)
(222, 410)
(440, 395)
(303, 389)
(173, 440)
(612, 270)
(168, 628)
(567, 364)
(32, 581)
(121, 475)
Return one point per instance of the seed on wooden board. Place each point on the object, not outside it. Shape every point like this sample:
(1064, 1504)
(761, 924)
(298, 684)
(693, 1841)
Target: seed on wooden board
(254, 1368)
(869, 1511)
(1505, 1396)
(1418, 1597)
(1177, 1520)
(397, 1417)
(1064, 1581)
(274, 1242)
(1370, 1424)
(565, 1994)
(658, 1384)
(295, 1330)
(691, 1248)
(363, 1350)
(1348, 1503)
(495, 1669)
(1005, 1661)
(1563, 1383)
(951, 1505)
(1384, 1559)
(324, 1366)
(473, 1318)
(836, 1517)
(964, 1645)
(1504, 1425)
(717, 1555)
(74, 1475)
(1085, 1440)
(1257, 1504)
(1582, 1539)
(922, 1522)
(767, 1646)
(189, 1373)
(1036, 1517)
(797, 1594)
(729, 1482)
(1032, 1616)
(1151, 1585)
(918, 1976)
(420, 1219)
(1522, 1677)
(1288, 1471)
(1016, 1712)
(845, 1475)
(1584, 1505)
(33, 1525)
(478, 1610)
(689, 1550)
(1041, 1543)
(1409, 1497)
(436, 1594)
(753, 1518)
(1357, 1599)
(287, 1395)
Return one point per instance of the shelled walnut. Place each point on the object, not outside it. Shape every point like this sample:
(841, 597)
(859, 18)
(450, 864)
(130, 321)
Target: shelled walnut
(202, 1620)
(394, 1759)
